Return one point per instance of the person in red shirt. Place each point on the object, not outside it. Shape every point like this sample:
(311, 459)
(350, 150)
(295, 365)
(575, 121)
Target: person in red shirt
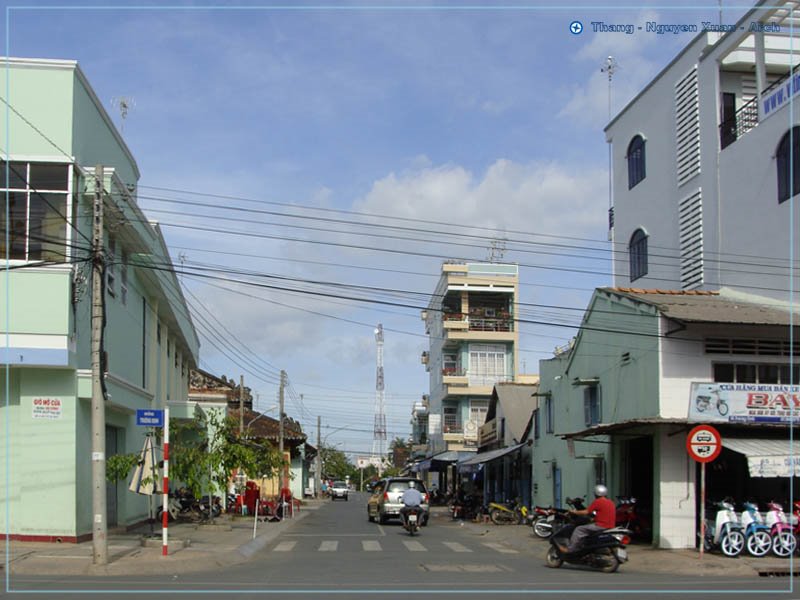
(604, 513)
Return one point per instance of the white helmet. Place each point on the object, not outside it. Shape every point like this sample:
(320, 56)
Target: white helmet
(600, 490)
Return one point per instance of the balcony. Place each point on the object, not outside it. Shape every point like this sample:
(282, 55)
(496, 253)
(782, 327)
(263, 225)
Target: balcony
(745, 119)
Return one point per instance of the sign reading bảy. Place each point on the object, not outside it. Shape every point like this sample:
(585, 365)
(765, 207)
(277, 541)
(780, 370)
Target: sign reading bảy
(744, 403)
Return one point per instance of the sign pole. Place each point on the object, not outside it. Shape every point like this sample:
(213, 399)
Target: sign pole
(165, 509)
(702, 508)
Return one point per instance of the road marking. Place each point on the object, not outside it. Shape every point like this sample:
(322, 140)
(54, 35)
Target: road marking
(415, 546)
(371, 545)
(500, 548)
(456, 547)
(284, 547)
(328, 546)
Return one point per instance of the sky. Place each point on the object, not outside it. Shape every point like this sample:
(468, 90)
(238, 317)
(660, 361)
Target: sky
(312, 166)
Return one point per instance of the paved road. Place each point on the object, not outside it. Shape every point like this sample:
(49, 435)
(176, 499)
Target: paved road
(336, 551)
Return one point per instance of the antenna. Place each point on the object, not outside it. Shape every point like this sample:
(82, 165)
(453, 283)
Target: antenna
(610, 68)
(497, 250)
(124, 103)
(379, 431)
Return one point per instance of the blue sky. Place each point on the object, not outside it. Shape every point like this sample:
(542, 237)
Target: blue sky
(488, 117)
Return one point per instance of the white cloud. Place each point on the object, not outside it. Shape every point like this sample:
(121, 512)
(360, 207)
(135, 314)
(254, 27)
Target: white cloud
(542, 198)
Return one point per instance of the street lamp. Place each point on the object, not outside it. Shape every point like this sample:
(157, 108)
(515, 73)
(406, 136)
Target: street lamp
(261, 414)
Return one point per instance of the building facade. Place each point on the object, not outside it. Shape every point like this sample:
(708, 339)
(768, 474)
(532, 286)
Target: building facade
(705, 164)
(58, 132)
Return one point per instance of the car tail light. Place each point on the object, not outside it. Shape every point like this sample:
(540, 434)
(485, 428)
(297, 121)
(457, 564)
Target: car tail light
(386, 496)
(426, 499)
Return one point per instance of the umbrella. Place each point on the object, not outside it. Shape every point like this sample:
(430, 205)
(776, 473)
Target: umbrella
(145, 477)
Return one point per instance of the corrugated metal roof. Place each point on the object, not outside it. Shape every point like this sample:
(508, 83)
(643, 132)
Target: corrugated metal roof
(710, 306)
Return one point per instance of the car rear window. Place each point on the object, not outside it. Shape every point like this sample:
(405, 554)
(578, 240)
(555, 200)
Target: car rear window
(401, 486)
(339, 484)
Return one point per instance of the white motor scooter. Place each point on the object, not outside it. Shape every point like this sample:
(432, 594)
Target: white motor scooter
(725, 532)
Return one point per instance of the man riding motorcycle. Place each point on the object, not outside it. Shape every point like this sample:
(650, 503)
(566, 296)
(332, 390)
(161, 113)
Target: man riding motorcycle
(411, 499)
(604, 512)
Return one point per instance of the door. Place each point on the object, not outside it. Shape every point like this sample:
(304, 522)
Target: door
(556, 486)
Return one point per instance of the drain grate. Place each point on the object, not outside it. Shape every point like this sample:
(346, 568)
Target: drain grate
(779, 572)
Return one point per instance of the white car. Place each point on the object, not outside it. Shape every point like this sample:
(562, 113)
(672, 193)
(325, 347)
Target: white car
(339, 490)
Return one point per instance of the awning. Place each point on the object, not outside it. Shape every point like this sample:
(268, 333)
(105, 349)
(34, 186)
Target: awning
(443, 459)
(768, 457)
(483, 457)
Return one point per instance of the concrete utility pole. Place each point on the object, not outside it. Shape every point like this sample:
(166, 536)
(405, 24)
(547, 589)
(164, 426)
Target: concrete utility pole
(99, 508)
(280, 428)
(241, 405)
(318, 470)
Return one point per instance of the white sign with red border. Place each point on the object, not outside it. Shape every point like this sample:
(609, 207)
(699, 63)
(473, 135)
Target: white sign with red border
(704, 443)
(46, 408)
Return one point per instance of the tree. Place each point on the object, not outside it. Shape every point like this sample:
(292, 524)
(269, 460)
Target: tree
(399, 452)
(335, 464)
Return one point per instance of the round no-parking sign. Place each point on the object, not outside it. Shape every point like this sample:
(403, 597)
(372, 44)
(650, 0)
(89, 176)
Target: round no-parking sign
(704, 443)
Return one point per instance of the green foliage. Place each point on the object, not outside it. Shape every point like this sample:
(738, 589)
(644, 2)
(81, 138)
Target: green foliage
(335, 464)
(208, 448)
(118, 466)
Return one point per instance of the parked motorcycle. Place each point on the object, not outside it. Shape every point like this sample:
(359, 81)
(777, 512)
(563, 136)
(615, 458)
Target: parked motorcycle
(465, 506)
(556, 518)
(725, 532)
(179, 506)
(783, 538)
(604, 550)
(413, 519)
(630, 517)
(509, 513)
(756, 534)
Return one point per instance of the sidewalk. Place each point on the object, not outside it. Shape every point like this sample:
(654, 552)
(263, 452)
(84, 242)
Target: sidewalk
(192, 547)
(642, 558)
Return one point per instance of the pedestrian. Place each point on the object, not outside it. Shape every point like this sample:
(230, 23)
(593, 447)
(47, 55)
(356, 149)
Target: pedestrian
(604, 513)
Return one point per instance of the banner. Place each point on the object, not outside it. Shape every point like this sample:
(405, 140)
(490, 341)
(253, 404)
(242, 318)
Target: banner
(744, 403)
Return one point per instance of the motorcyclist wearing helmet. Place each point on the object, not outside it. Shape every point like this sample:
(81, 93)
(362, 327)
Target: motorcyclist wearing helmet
(411, 498)
(604, 513)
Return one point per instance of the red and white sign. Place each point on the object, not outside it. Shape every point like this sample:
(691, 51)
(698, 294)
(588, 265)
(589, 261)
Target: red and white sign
(46, 408)
(704, 443)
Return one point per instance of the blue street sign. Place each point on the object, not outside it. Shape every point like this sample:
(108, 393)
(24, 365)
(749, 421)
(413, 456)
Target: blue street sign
(149, 418)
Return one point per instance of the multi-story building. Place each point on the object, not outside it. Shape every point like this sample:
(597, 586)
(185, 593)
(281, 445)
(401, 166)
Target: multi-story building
(471, 324)
(706, 162)
(58, 131)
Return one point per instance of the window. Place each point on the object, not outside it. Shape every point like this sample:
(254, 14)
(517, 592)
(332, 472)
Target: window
(788, 159)
(451, 421)
(636, 161)
(38, 206)
(637, 254)
(478, 410)
(591, 405)
(549, 416)
(768, 373)
(487, 364)
(536, 424)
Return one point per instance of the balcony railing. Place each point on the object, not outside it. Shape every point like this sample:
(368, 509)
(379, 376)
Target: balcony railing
(453, 372)
(746, 118)
(452, 425)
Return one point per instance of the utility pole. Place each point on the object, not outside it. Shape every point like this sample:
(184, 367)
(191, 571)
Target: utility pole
(280, 429)
(318, 470)
(99, 508)
(241, 405)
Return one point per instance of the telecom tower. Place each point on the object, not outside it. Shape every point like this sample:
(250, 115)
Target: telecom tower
(379, 431)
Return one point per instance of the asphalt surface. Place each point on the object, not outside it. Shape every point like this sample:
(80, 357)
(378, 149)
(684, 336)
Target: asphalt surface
(231, 541)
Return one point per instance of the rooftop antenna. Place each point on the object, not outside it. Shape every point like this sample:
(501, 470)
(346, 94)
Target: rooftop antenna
(497, 250)
(124, 103)
(610, 67)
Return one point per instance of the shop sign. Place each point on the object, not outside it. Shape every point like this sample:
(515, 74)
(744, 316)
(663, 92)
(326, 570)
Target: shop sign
(46, 408)
(744, 403)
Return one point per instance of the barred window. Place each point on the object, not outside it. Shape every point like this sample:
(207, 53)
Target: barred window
(637, 254)
(788, 163)
(636, 161)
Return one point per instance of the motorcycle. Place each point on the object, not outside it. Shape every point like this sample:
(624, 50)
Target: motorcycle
(465, 506)
(604, 550)
(413, 519)
(629, 517)
(703, 403)
(556, 518)
(783, 538)
(179, 506)
(509, 513)
(725, 532)
(756, 534)
(208, 510)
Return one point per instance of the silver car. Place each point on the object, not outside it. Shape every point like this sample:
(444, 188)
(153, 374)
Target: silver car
(339, 489)
(385, 503)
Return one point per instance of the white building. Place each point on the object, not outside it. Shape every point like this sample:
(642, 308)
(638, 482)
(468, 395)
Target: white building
(701, 164)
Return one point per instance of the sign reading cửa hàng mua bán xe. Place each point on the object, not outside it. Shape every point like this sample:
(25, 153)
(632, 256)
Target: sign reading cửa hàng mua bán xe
(744, 403)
